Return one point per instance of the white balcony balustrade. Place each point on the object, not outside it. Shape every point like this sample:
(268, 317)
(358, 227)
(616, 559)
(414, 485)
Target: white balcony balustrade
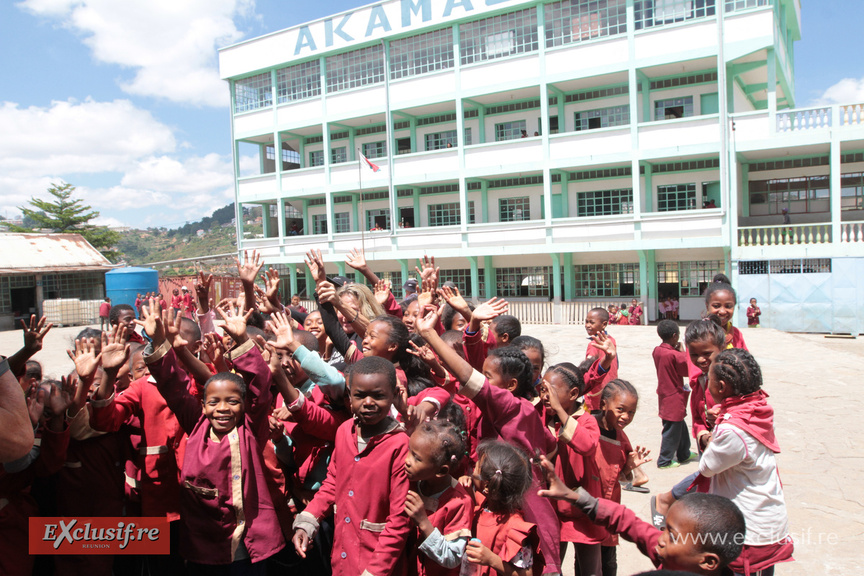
(785, 235)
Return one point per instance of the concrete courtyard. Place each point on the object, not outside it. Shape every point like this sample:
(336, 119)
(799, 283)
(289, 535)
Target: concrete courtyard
(810, 380)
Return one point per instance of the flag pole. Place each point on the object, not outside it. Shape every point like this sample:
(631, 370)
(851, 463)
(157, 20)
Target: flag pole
(362, 214)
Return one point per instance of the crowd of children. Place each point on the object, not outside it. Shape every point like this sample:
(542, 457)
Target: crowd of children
(372, 437)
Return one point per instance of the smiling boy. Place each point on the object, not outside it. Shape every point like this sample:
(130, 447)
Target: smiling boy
(596, 322)
(366, 481)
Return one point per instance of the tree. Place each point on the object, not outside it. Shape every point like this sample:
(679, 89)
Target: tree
(65, 215)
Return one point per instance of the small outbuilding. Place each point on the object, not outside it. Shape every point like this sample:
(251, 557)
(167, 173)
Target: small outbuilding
(59, 275)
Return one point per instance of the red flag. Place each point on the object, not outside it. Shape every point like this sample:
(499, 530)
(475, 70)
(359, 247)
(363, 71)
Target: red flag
(372, 165)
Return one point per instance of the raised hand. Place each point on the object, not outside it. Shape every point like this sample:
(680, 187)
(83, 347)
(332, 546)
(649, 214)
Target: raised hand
(171, 321)
(35, 332)
(215, 350)
(264, 305)
(56, 403)
(637, 457)
(490, 309)
(249, 268)
(315, 263)
(77, 390)
(382, 291)
(428, 321)
(152, 322)
(429, 271)
(453, 297)
(85, 358)
(422, 352)
(202, 291)
(603, 342)
(356, 260)
(280, 325)
(235, 322)
(36, 404)
(326, 292)
(271, 287)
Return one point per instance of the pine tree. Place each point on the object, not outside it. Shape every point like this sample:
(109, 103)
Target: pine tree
(65, 215)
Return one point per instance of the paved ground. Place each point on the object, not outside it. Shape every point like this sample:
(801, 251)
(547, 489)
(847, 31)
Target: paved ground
(811, 380)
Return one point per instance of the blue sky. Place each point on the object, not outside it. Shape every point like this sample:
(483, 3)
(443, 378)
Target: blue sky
(123, 99)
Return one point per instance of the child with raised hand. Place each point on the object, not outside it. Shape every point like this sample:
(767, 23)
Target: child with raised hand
(366, 481)
(703, 534)
(596, 322)
(501, 393)
(228, 513)
(670, 362)
(476, 348)
(741, 464)
(440, 508)
(578, 435)
(721, 301)
(615, 457)
(505, 542)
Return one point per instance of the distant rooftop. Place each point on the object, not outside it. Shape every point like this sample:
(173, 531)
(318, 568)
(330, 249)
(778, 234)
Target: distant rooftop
(49, 253)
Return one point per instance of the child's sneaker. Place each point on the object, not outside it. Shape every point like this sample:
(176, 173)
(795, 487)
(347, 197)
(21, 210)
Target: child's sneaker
(672, 464)
(693, 456)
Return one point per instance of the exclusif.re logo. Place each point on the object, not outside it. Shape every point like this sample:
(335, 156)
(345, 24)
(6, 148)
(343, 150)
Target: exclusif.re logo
(103, 535)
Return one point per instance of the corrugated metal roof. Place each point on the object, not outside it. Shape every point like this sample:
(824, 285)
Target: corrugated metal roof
(41, 253)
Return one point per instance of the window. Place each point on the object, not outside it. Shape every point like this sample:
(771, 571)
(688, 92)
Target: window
(606, 280)
(319, 224)
(253, 93)
(733, 5)
(513, 33)
(576, 20)
(801, 266)
(852, 191)
(338, 155)
(298, 82)
(605, 202)
(527, 281)
(462, 279)
(553, 124)
(422, 53)
(510, 130)
(375, 149)
(316, 158)
(692, 277)
(439, 140)
(659, 12)
(672, 108)
(807, 194)
(753, 267)
(403, 145)
(378, 219)
(448, 214)
(603, 118)
(514, 209)
(676, 197)
(468, 136)
(342, 222)
(356, 68)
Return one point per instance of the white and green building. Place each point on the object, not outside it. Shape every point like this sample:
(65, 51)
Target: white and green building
(561, 153)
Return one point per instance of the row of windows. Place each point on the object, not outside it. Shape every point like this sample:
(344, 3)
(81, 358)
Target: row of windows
(789, 266)
(692, 277)
(566, 21)
(807, 194)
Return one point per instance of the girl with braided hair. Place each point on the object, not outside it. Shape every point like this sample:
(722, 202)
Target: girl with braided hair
(578, 435)
(441, 508)
(740, 461)
(502, 395)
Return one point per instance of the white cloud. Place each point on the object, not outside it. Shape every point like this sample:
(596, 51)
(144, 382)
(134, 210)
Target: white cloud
(103, 142)
(82, 137)
(846, 91)
(170, 44)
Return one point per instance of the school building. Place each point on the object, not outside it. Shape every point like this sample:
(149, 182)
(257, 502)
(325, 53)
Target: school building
(559, 154)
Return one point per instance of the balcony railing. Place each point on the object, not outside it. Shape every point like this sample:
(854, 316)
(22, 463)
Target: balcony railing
(852, 115)
(785, 235)
(852, 232)
(805, 119)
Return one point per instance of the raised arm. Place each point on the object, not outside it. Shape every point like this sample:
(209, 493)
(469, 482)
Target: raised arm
(451, 360)
(34, 334)
(248, 272)
(356, 259)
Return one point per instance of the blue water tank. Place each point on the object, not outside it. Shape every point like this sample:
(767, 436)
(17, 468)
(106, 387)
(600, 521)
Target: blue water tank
(123, 285)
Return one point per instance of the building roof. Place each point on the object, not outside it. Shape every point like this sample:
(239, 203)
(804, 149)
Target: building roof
(49, 253)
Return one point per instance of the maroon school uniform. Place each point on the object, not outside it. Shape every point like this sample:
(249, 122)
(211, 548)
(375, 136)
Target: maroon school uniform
(366, 492)
(17, 505)
(515, 420)
(225, 499)
(671, 366)
(452, 513)
(609, 461)
(476, 348)
(577, 441)
(163, 441)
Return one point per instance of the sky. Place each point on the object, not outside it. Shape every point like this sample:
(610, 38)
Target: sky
(123, 98)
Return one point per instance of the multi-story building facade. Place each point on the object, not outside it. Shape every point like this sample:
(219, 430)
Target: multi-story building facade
(565, 151)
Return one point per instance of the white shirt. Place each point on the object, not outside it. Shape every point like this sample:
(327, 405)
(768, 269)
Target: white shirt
(744, 470)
